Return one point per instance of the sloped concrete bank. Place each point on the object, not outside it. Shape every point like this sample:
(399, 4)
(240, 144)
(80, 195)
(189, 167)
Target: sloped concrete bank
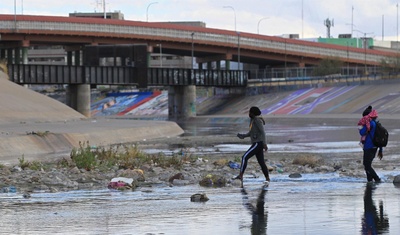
(37, 127)
(44, 140)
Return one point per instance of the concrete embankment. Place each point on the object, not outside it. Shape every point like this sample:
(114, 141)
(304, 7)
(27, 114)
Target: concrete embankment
(35, 126)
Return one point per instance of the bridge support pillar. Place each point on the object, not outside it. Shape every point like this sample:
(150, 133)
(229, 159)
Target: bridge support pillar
(78, 98)
(25, 55)
(227, 65)
(181, 102)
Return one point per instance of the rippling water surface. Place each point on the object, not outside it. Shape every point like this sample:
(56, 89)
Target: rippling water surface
(314, 204)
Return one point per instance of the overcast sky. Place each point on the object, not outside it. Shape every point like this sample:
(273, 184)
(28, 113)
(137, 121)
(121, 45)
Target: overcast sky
(376, 18)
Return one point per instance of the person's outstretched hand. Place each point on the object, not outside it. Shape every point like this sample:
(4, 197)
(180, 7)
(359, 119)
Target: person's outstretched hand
(380, 155)
(265, 147)
(241, 136)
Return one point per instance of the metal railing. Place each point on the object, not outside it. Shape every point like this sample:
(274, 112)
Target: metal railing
(198, 77)
(112, 75)
(331, 80)
(64, 74)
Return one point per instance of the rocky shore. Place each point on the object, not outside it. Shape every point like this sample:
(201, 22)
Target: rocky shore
(62, 174)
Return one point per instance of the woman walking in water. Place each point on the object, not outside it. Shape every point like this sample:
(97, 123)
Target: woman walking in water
(258, 143)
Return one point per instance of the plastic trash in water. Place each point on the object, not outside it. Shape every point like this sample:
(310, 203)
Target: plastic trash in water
(233, 165)
(10, 189)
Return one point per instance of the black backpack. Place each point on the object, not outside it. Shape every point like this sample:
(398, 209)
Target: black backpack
(381, 136)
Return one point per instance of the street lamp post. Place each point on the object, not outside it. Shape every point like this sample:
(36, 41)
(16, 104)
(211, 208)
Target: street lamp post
(234, 13)
(104, 9)
(365, 48)
(147, 10)
(192, 49)
(348, 62)
(258, 25)
(15, 15)
(238, 34)
(239, 67)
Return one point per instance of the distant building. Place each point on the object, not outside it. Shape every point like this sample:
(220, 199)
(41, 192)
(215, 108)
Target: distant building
(292, 36)
(188, 23)
(109, 15)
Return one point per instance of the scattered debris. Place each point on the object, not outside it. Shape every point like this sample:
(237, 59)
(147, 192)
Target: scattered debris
(120, 183)
(8, 189)
(295, 175)
(233, 165)
(38, 133)
(199, 197)
(213, 181)
(178, 176)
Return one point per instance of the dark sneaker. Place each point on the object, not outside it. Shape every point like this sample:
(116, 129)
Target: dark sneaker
(237, 178)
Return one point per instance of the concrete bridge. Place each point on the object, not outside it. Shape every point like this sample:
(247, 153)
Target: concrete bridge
(18, 32)
(180, 82)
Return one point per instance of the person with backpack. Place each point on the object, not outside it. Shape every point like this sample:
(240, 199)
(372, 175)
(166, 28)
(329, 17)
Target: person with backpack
(370, 148)
(258, 143)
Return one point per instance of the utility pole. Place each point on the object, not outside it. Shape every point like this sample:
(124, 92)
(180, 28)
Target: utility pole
(328, 23)
(192, 50)
(352, 10)
(104, 9)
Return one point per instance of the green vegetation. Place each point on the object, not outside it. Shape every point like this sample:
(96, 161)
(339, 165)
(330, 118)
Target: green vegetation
(238, 159)
(22, 163)
(34, 165)
(123, 157)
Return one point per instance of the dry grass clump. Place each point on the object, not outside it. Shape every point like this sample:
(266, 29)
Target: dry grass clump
(308, 160)
(221, 162)
(122, 156)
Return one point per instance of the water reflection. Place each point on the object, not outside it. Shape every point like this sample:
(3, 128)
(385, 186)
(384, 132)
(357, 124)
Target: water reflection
(258, 212)
(373, 222)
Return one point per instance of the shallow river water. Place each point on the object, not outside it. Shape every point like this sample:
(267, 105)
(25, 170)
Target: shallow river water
(313, 204)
